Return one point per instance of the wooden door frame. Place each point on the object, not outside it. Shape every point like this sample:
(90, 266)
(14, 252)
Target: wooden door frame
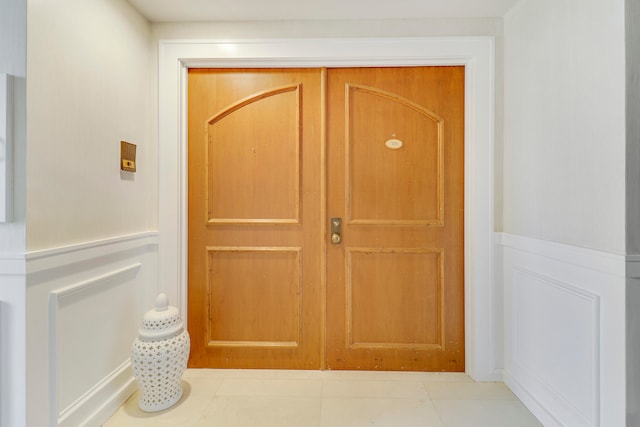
(483, 308)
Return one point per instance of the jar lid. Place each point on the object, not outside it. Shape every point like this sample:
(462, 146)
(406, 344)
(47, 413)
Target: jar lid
(162, 322)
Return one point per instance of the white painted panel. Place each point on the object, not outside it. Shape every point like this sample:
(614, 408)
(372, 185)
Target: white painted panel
(556, 341)
(565, 343)
(93, 325)
(84, 305)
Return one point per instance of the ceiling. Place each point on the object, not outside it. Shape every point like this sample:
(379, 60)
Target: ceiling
(268, 10)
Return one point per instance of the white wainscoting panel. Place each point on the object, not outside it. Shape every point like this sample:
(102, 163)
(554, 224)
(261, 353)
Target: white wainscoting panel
(549, 317)
(102, 307)
(85, 304)
(565, 331)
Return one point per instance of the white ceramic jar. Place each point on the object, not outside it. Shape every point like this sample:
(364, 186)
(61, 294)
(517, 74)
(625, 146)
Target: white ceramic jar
(159, 357)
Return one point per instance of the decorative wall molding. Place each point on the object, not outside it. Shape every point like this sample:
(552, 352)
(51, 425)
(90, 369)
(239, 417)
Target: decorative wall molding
(565, 330)
(604, 262)
(84, 307)
(59, 294)
(77, 293)
(531, 359)
(42, 260)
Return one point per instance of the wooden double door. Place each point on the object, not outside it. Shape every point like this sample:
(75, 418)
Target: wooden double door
(326, 218)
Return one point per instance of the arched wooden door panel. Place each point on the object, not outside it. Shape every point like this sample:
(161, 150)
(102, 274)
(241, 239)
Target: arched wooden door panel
(396, 159)
(254, 218)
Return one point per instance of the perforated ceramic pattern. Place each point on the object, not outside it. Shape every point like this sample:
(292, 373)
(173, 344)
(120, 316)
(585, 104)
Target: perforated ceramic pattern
(161, 324)
(158, 367)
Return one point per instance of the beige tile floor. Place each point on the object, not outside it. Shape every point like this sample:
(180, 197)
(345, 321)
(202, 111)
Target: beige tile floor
(258, 398)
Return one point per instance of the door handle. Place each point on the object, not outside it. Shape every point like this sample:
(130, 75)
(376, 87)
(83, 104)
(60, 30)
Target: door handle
(336, 230)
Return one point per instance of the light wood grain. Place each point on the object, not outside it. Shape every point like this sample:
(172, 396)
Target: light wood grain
(254, 218)
(272, 155)
(395, 288)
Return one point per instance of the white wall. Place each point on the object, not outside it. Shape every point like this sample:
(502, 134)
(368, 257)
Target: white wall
(565, 269)
(564, 150)
(13, 51)
(91, 245)
(88, 89)
(327, 28)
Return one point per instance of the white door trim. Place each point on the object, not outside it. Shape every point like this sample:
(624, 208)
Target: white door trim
(475, 53)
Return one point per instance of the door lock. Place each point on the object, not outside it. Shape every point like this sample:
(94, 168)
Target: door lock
(336, 230)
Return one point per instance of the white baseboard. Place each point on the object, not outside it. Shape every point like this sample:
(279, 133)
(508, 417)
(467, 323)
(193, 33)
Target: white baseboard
(97, 405)
(542, 413)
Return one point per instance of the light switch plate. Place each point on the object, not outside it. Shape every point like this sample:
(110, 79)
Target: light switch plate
(6, 148)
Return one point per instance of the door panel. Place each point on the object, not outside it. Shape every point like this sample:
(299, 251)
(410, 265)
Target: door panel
(378, 173)
(395, 282)
(255, 233)
(246, 308)
(382, 313)
(244, 157)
